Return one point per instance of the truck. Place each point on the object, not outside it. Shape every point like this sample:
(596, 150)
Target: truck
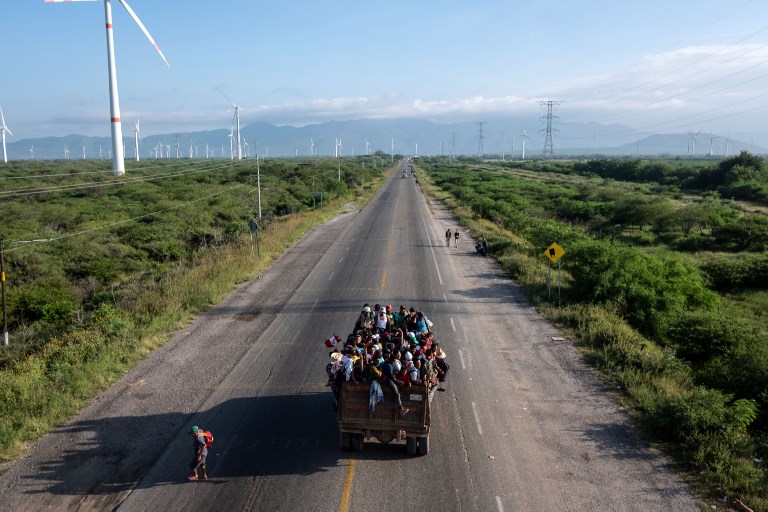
(358, 423)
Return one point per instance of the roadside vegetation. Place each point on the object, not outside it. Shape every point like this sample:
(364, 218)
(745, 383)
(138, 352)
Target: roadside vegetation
(101, 269)
(664, 285)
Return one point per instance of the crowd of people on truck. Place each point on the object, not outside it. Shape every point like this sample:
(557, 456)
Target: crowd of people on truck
(388, 349)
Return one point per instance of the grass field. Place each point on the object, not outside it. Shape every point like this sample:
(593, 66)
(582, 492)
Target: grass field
(101, 269)
(659, 299)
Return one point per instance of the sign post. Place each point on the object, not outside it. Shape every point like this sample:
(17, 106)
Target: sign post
(2, 283)
(554, 252)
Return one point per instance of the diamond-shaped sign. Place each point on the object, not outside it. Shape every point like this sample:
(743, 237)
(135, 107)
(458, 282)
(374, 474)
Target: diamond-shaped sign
(554, 252)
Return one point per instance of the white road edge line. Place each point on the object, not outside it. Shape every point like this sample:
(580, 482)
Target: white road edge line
(341, 259)
(453, 326)
(431, 246)
(499, 505)
(463, 365)
(445, 299)
(331, 276)
(477, 419)
(315, 304)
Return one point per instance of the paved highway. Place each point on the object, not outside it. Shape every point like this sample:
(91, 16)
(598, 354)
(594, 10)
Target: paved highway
(522, 423)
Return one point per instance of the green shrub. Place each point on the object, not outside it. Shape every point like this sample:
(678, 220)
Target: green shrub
(742, 271)
(646, 290)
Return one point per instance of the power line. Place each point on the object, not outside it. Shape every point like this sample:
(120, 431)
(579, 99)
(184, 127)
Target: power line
(621, 115)
(118, 223)
(121, 181)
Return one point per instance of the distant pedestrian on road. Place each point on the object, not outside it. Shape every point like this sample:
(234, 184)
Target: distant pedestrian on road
(201, 453)
(448, 238)
(456, 237)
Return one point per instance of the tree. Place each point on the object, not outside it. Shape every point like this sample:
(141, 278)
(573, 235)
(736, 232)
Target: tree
(690, 216)
(749, 233)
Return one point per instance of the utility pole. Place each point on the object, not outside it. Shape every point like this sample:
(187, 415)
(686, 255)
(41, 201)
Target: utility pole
(480, 149)
(549, 150)
(258, 182)
(2, 282)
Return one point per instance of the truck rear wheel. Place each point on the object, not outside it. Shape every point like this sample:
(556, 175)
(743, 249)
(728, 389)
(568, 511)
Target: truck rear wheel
(410, 445)
(424, 445)
(358, 441)
(345, 439)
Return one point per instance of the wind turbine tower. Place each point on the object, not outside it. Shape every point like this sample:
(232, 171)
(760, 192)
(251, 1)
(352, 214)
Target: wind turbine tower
(525, 138)
(712, 138)
(118, 161)
(136, 137)
(3, 130)
(237, 124)
(693, 143)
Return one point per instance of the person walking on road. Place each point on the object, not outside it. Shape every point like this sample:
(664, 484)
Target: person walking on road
(448, 238)
(456, 237)
(201, 453)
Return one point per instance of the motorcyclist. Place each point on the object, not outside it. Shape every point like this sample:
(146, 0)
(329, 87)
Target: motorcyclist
(482, 247)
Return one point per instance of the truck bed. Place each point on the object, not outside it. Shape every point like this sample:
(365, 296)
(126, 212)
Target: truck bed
(358, 422)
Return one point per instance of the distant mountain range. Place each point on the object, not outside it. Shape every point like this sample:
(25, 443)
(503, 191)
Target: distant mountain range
(407, 136)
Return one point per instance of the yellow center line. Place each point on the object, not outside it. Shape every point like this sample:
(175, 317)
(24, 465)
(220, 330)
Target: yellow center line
(384, 279)
(345, 495)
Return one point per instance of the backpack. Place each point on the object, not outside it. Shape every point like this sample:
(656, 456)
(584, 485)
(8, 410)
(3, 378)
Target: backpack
(208, 438)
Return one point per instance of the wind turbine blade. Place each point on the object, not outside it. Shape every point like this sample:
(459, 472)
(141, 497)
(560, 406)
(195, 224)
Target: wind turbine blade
(143, 29)
(229, 100)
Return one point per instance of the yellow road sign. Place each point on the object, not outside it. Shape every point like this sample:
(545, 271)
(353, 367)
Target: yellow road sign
(554, 252)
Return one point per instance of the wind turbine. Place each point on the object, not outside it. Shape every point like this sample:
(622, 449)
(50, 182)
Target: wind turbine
(338, 161)
(137, 137)
(712, 138)
(525, 138)
(84, 148)
(3, 129)
(114, 102)
(311, 146)
(237, 122)
(32, 152)
(693, 143)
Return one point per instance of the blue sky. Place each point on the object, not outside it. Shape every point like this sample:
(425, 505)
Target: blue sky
(655, 65)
